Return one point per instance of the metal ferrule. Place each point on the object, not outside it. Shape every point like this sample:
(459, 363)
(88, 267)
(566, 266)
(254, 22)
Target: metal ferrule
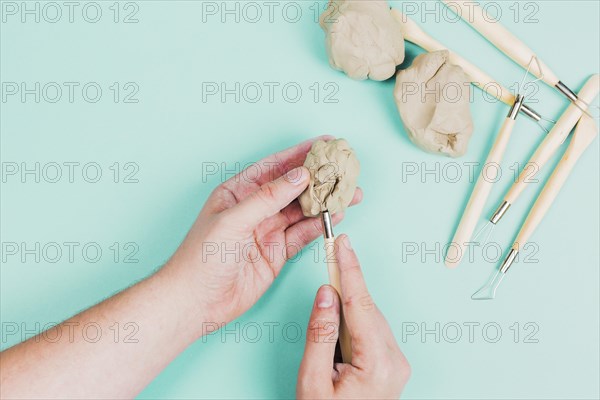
(327, 225)
(500, 212)
(510, 258)
(516, 107)
(531, 113)
(566, 91)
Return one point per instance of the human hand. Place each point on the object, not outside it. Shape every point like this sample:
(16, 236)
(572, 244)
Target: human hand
(249, 227)
(378, 370)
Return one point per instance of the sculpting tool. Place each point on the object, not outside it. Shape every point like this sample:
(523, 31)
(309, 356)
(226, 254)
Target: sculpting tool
(334, 280)
(414, 34)
(488, 175)
(482, 188)
(509, 44)
(584, 135)
(549, 146)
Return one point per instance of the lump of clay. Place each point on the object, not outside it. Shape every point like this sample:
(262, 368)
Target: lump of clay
(363, 39)
(334, 171)
(432, 97)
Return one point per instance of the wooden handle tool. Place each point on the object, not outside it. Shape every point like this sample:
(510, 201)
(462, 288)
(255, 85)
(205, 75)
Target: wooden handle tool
(508, 43)
(482, 189)
(549, 145)
(584, 135)
(334, 280)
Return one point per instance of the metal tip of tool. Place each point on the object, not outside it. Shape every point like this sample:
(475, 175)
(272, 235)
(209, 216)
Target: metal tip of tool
(547, 120)
(488, 291)
(546, 130)
(500, 211)
(568, 93)
(576, 101)
(534, 115)
(327, 224)
(486, 232)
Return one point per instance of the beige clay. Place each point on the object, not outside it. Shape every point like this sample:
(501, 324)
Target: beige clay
(363, 39)
(432, 97)
(334, 171)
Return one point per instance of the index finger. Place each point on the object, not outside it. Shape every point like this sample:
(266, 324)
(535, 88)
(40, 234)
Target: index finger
(269, 168)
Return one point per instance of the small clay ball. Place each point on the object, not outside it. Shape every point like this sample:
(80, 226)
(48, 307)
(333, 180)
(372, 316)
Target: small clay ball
(334, 172)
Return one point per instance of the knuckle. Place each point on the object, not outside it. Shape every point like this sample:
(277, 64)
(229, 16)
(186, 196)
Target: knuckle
(402, 366)
(349, 269)
(394, 368)
(307, 234)
(385, 370)
(317, 225)
(360, 301)
(303, 236)
(405, 371)
(267, 192)
(225, 193)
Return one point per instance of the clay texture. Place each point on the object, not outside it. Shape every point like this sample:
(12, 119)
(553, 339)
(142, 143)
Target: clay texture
(432, 97)
(334, 171)
(362, 38)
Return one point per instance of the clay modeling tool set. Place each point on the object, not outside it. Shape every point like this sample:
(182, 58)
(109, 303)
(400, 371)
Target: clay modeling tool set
(348, 54)
(576, 114)
(485, 181)
(584, 135)
(558, 134)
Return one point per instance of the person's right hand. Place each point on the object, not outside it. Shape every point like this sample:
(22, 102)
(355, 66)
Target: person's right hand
(378, 369)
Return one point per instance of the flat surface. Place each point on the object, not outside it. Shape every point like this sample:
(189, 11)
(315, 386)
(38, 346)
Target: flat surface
(538, 339)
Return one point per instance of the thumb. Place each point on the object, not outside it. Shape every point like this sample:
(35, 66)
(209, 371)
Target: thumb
(321, 337)
(271, 198)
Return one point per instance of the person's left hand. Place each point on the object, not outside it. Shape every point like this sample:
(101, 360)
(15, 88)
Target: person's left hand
(248, 228)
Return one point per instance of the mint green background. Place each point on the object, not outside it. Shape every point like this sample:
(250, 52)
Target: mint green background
(171, 132)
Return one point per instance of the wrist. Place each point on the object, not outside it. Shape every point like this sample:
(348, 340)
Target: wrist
(197, 307)
(189, 310)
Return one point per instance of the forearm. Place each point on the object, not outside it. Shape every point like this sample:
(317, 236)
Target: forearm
(93, 356)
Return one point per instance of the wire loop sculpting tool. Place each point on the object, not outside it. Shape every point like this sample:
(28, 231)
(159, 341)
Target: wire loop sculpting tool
(552, 141)
(584, 135)
(483, 187)
(487, 177)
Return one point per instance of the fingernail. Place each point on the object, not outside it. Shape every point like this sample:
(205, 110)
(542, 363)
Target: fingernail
(325, 297)
(295, 176)
(346, 241)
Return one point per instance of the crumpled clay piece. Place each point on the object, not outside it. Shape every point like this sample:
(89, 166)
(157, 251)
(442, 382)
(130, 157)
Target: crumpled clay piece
(334, 171)
(363, 39)
(432, 97)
